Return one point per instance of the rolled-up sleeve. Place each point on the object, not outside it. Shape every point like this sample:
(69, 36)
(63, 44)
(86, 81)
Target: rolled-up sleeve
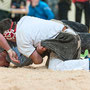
(24, 44)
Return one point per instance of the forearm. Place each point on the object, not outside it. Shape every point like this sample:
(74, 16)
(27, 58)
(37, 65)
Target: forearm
(3, 43)
(49, 14)
(36, 58)
(27, 5)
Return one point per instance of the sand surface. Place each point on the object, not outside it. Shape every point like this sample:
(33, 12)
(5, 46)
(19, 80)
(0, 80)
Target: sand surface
(38, 77)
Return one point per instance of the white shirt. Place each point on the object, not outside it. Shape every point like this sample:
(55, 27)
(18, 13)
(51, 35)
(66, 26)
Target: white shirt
(31, 30)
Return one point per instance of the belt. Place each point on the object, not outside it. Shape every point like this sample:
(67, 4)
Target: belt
(64, 28)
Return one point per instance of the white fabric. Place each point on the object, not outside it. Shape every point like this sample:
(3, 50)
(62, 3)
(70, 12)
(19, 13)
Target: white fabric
(5, 5)
(69, 30)
(78, 64)
(30, 31)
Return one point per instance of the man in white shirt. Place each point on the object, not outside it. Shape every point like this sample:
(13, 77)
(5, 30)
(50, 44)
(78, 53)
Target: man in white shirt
(30, 31)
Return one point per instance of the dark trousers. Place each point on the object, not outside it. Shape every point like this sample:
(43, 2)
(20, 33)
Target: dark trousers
(63, 15)
(4, 14)
(64, 7)
(82, 6)
(76, 26)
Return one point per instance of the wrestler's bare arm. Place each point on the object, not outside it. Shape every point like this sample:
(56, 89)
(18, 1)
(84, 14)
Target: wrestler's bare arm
(36, 55)
(4, 44)
(36, 58)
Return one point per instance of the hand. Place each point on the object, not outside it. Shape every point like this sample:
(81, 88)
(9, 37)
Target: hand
(34, 3)
(40, 49)
(13, 56)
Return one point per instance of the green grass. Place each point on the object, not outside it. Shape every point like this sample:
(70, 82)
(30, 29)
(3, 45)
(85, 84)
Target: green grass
(85, 53)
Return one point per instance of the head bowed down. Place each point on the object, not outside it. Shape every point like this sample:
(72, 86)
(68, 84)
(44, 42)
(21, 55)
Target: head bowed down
(8, 29)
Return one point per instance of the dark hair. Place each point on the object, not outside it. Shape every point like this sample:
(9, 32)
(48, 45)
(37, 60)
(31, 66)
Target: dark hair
(5, 25)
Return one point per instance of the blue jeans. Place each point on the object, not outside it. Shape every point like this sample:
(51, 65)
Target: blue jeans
(24, 61)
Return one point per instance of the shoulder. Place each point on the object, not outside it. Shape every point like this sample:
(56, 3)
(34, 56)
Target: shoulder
(25, 18)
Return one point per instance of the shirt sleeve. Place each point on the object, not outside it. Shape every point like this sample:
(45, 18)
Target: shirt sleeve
(48, 12)
(31, 11)
(26, 49)
(25, 44)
